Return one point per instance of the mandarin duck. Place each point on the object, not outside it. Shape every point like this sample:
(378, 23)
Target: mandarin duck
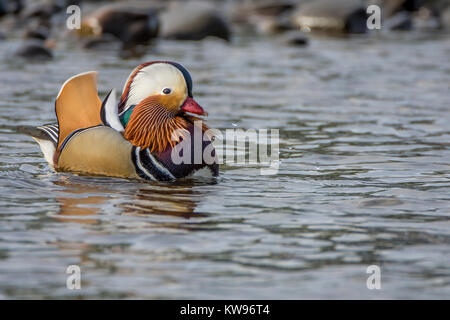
(135, 138)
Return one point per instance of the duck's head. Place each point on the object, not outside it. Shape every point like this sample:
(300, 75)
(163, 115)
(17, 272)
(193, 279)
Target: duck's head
(155, 101)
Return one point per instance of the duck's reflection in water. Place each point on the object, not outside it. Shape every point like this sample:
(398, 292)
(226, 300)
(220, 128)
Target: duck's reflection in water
(82, 204)
(176, 201)
(109, 216)
(79, 209)
(85, 202)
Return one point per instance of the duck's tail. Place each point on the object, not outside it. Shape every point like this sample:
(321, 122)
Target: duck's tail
(46, 136)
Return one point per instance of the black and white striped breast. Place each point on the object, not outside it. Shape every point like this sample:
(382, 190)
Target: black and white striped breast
(148, 167)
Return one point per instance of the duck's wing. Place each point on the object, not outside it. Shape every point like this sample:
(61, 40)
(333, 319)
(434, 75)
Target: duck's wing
(98, 150)
(77, 105)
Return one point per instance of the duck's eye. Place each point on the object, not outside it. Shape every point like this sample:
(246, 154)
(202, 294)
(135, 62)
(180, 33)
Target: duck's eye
(167, 90)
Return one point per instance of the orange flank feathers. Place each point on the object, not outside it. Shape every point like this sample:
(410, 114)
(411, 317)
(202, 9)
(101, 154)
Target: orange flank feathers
(77, 105)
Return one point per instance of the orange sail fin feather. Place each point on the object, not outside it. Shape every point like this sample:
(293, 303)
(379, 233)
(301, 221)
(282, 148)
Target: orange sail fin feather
(77, 105)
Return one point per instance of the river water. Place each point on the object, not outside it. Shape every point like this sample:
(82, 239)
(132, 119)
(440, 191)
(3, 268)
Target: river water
(364, 178)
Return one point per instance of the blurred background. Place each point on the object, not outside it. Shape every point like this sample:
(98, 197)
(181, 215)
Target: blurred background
(364, 174)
